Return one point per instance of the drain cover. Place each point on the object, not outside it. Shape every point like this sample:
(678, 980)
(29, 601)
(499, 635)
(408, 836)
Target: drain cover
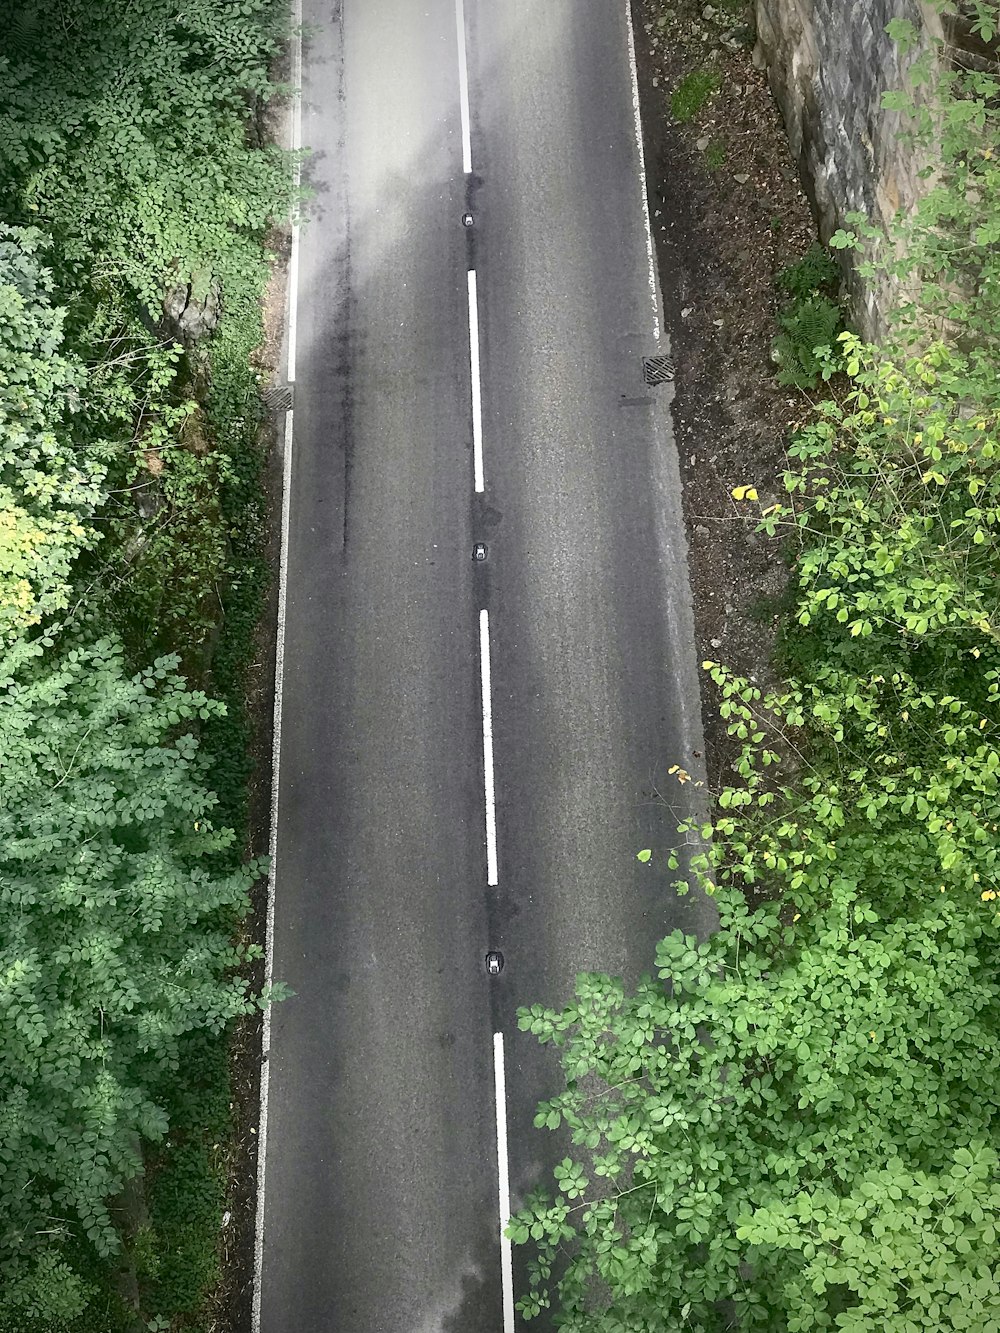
(479, 551)
(657, 369)
(279, 399)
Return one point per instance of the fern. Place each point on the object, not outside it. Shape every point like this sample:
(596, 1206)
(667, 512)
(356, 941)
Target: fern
(808, 324)
(816, 272)
(22, 31)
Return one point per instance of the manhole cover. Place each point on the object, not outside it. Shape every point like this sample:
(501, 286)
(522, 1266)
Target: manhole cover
(657, 369)
(279, 399)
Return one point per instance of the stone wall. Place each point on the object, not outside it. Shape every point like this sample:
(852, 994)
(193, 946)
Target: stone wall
(828, 63)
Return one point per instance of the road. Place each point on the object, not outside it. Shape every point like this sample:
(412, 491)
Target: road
(382, 1174)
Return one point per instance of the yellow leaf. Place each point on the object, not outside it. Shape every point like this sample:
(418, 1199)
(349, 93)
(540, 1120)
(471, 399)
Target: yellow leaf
(744, 493)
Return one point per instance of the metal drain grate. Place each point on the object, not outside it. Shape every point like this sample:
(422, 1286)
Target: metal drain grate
(657, 369)
(279, 399)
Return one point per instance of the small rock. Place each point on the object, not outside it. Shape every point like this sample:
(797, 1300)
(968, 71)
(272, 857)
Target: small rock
(741, 178)
(701, 530)
(686, 311)
(708, 13)
(702, 144)
(729, 609)
(656, 82)
(717, 323)
(737, 89)
(716, 643)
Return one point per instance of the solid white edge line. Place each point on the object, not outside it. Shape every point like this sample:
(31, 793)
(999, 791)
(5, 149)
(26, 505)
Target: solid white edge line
(279, 671)
(293, 261)
(503, 1171)
(653, 288)
(491, 802)
(265, 1070)
(477, 395)
(293, 285)
(463, 88)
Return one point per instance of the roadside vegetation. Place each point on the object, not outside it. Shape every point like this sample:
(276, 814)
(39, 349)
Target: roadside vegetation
(794, 1124)
(137, 187)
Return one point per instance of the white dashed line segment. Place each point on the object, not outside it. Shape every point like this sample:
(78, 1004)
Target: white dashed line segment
(477, 395)
(491, 802)
(463, 88)
(506, 1267)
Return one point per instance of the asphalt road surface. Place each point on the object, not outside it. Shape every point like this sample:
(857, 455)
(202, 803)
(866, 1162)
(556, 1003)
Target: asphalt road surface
(434, 411)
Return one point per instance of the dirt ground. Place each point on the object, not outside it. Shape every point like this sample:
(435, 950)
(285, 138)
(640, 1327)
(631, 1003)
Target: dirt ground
(728, 213)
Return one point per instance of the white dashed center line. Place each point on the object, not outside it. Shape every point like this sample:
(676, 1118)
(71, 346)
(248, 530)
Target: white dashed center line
(463, 88)
(477, 397)
(491, 801)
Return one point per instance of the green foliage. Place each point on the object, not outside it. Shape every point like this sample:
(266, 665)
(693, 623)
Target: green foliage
(122, 132)
(942, 254)
(147, 182)
(810, 321)
(816, 273)
(133, 157)
(109, 935)
(809, 329)
(50, 484)
(692, 94)
(909, 1248)
(715, 155)
(846, 1030)
(897, 500)
(782, 1065)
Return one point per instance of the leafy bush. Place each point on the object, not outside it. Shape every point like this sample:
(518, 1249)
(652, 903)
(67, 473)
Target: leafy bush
(692, 94)
(108, 930)
(726, 1122)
